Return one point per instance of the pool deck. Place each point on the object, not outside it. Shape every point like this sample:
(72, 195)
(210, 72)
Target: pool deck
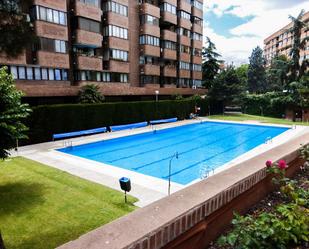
(146, 188)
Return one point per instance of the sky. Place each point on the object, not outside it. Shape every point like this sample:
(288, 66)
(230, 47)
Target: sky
(238, 26)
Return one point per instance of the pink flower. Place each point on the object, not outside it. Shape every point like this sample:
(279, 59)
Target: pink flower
(269, 163)
(282, 164)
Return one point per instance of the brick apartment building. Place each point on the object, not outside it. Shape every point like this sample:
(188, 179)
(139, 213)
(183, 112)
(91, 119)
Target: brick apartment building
(128, 47)
(280, 43)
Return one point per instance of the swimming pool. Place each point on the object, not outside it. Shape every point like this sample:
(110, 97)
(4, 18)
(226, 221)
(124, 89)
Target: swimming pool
(201, 147)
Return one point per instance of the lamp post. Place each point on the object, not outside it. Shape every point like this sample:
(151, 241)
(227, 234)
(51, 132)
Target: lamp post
(170, 171)
(157, 95)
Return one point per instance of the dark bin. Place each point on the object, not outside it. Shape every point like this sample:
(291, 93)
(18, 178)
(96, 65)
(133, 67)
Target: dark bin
(125, 184)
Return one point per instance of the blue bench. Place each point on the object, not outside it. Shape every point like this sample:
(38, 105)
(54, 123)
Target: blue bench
(161, 121)
(79, 133)
(128, 126)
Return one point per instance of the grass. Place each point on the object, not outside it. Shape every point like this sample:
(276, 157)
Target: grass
(246, 117)
(42, 207)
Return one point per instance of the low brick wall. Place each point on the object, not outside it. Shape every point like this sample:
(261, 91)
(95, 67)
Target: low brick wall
(196, 215)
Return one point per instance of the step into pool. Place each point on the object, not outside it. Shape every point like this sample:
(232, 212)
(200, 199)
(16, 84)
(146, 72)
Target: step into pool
(201, 148)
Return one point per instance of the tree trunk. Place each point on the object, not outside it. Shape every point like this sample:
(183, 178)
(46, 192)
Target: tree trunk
(1, 242)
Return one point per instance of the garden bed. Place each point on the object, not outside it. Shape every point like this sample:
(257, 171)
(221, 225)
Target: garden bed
(269, 205)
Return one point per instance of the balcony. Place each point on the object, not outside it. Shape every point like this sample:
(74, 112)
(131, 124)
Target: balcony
(50, 30)
(149, 69)
(169, 54)
(184, 57)
(169, 17)
(184, 23)
(197, 44)
(169, 35)
(150, 50)
(185, 40)
(114, 42)
(117, 66)
(197, 12)
(197, 28)
(19, 60)
(89, 63)
(197, 75)
(54, 4)
(147, 8)
(115, 19)
(88, 11)
(50, 59)
(169, 71)
(184, 73)
(149, 29)
(88, 38)
(197, 59)
(183, 5)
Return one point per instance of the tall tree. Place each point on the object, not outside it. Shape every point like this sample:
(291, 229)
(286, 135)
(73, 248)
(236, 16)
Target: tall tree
(256, 72)
(298, 69)
(12, 114)
(211, 63)
(242, 73)
(227, 87)
(15, 27)
(277, 73)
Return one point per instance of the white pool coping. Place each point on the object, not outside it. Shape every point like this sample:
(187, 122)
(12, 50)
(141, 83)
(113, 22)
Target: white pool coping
(146, 188)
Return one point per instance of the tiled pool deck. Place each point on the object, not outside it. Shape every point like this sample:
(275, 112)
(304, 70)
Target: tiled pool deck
(146, 188)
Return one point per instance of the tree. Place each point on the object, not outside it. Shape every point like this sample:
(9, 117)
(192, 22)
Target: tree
(256, 72)
(15, 28)
(242, 74)
(227, 87)
(211, 63)
(298, 69)
(277, 73)
(90, 94)
(12, 114)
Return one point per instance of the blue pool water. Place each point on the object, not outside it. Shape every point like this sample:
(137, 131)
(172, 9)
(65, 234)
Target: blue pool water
(208, 145)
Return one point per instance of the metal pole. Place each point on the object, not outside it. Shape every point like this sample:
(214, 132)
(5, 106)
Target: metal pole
(169, 176)
(125, 196)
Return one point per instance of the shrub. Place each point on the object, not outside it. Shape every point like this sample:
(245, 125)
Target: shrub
(50, 119)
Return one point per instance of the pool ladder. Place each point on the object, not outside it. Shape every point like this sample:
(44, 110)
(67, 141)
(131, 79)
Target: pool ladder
(268, 140)
(206, 171)
(68, 144)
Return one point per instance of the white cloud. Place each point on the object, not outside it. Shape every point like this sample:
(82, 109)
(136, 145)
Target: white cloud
(269, 16)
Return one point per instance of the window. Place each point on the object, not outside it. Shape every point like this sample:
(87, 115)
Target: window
(184, 32)
(101, 77)
(51, 45)
(51, 75)
(196, 67)
(185, 49)
(184, 65)
(196, 36)
(89, 25)
(168, 7)
(118, 54)
(49, 15)
(116, 8)
(169, 45)
(57, 74)
(197, 4)
(149, 79)
(91, 2)
(37, 73)
(44, 74)
(115, 31)
(14, 72)
(197, 21)
(148, 19)
(184, 15)
(29, 73)
(149, 60)
(149, 40)
(184, 82)
(106, 77)
(21, 73)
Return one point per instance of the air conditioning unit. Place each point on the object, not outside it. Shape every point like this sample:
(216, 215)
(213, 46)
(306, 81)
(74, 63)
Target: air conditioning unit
(194, 87)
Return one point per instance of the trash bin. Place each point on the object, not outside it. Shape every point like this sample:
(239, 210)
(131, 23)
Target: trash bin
(125, 184)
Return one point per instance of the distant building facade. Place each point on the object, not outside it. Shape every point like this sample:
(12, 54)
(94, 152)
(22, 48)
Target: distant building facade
(128, 47)
(280, 43)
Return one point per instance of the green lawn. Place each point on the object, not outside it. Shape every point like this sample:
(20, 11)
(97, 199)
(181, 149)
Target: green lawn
(42, 207)
(246, 117)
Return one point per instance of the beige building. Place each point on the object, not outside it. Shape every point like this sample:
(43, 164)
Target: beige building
(128, 47)
(280, 43)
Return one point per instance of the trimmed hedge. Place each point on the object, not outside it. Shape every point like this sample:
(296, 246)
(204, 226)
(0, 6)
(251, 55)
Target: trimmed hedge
(50, 119)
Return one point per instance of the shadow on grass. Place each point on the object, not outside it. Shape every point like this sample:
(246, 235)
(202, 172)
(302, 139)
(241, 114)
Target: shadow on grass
(19, 197)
